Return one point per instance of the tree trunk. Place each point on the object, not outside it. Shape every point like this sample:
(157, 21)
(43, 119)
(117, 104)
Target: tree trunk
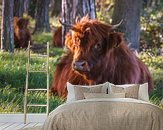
(152, 3)
(129, 12)
(56, 7)
(76, 8)
(26, 6)
(7, 29)
(42, 16)
(32, 8)
(20, 7)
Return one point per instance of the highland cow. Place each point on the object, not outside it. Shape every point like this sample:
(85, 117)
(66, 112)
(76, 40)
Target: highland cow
(98, 54)
(22, 34)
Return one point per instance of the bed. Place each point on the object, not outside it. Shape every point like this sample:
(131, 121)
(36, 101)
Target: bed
(87, 109)
(105, 114)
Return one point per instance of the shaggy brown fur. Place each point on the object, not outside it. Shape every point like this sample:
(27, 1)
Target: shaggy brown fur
(98, 54)
(22, 35)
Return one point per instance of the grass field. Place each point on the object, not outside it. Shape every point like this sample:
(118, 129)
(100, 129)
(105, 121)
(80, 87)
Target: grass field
(13, 74)
(12, 81)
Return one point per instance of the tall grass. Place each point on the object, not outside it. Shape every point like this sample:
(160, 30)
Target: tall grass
(12, 100)
(13, 69)
(12, 81)
(42, 37)
(155, 64)
(13, 74)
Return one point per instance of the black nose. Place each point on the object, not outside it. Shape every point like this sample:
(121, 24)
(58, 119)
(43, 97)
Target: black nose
(80, 65)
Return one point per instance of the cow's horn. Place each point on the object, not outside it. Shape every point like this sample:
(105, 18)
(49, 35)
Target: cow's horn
(65, 24)
(117, 25)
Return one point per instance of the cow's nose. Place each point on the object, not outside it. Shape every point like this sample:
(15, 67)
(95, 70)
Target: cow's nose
(80, 65)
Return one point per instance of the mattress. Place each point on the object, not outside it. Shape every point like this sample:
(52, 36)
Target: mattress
(105, 114)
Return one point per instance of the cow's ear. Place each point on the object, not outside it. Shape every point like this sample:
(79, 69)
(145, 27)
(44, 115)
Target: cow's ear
(114, 39)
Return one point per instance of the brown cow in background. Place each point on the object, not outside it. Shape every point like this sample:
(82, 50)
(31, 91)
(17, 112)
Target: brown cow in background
(57, 37)
(22, 34)
(98, 54)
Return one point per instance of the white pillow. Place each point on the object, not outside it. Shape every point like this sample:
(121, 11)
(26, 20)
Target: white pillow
(143, 92)
(71, 93)
(76, 92)
(140, 90)
(103, 95)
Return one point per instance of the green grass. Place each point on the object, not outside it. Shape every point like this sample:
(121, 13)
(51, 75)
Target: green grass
(42, 37)
(155, 64)
(13, 69)
(13, 74)
(12, 101)
(12, 80)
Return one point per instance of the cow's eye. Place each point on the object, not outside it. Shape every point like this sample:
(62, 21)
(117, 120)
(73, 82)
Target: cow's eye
(97, 46)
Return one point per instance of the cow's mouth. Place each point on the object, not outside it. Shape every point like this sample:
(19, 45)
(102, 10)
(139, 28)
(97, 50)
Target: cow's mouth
(82, 71)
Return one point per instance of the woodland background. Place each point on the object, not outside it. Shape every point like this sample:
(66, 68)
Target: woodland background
(142, 25)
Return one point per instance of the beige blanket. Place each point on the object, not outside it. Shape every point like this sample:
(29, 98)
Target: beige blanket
(105, 114)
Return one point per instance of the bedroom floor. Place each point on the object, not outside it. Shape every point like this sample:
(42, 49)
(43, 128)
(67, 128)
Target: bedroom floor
(16, 121)
(17, 126)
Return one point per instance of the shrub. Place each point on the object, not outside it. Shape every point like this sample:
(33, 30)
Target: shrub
(152, 30)
(155, 65)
